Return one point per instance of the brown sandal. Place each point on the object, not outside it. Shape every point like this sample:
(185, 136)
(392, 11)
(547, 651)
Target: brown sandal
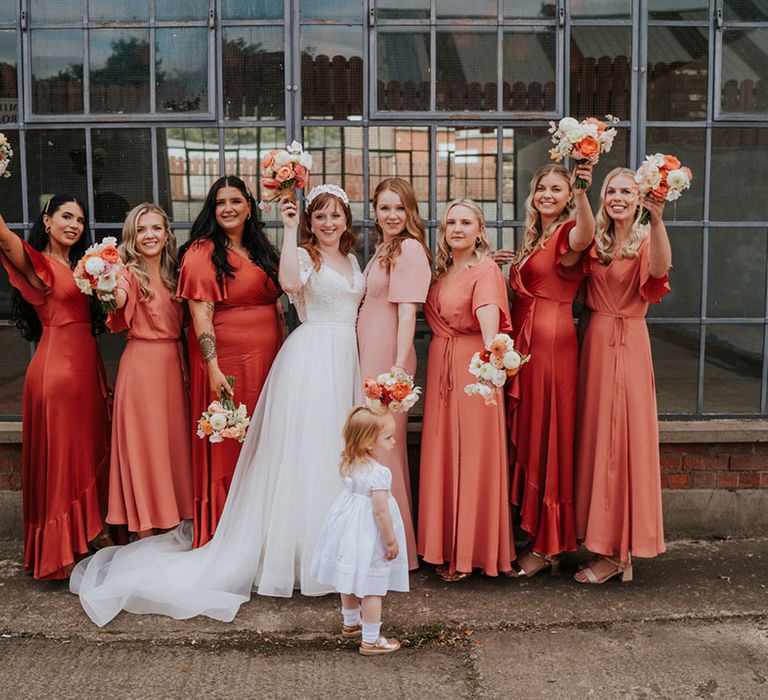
(455, 576)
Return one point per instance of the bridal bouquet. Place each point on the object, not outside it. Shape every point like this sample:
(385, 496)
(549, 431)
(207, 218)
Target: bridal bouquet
(493, 366)
(581, 141)
(221, 420)
(6, 153)
(664, 176)
(393, 390)
(98, 270)
(283, 171)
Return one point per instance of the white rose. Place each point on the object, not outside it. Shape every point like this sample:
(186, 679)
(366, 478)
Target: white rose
(107, 283)
(574, 135)
(678, 179)
(512, 360)
(109, 240)
(83, 285)
(95, 266)
(568, 123)
(487, 372)
(295, 147)
(500, 379)
(282, 158)
(306, 160)
(218, 421)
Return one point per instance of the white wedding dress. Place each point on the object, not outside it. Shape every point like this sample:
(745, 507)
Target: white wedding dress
(285, 481)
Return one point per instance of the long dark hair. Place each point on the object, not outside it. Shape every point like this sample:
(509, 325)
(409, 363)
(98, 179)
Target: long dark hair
(23, 314)
(255, 241)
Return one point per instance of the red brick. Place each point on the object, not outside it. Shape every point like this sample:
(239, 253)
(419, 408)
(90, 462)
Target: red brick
(703, 480)
(680, 480)
(760, 448)
(746, 448)
(671, 462)
(10, 481)
(749, 480)
(677, 448)
(764, 481)
(727, 480)
(707, 462)
(757, 463)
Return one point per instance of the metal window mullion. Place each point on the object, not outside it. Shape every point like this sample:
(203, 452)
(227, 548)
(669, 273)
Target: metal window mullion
(499, 183)
(296, 130)
(433, 182)
(152, 61)
(432, 57)
(366, 192)
(89, 184)
(638, 105)
(214, 46)
(86, 70)
(563, 62)
(217, 68)
(155, 166)
(702, 324)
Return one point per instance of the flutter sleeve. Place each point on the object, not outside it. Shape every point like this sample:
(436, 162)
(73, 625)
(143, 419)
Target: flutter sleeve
(491, 290)
(410, 276)
(381, 478)
(562, 242)
(652, 289)
(42, 267)
(197, 277)
(121, 319)
(306, 269)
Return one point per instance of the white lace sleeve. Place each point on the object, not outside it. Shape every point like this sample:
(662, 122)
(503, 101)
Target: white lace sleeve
(305, 272)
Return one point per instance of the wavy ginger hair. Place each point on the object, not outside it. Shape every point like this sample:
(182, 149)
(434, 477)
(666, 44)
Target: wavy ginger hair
(534, 234)
(361, 430)
(605, 233)
(134, 260)
(444, 258)
(308, 240)
(414, 226)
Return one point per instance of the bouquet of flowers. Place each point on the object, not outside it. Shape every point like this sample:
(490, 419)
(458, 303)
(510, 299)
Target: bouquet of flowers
(393, 390)
(664, 176)
(581, 141)
(6, 153)
(221, 420)
(284, 170)
(98, 270)
(492, 366)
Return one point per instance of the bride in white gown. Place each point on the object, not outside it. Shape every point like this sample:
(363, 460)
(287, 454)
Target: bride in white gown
(287, 474)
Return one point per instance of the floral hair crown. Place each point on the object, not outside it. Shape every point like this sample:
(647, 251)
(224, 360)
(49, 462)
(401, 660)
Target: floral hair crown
(315, 192)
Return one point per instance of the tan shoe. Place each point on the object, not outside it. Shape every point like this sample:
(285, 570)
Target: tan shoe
(381, 646)
(352, 631)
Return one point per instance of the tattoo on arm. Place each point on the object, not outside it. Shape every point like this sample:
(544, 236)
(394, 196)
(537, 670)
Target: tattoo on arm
(207, 346)
(210, 306)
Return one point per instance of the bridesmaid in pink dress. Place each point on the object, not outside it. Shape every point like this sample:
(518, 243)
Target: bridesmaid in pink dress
(398, 278)
(464, 512)
(150, 484)
(618, 477)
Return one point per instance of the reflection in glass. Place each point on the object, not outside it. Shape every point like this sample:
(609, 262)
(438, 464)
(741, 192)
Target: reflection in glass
(397, 9)
(188, 164)
(184, 10)
(118, 11)
(677, 73)
(730, 293)
(15, 353)
(55, 11)
(466, 70)
(685, 278)
(530, 9)
(332, 71)
(122, 172)
(119, 70)
(254, 73)
(8, 11)
(57, 70)
(675, 350)
(332, 9)
(529, 70)
(617, 158)
(745, 10)
(600, 71)
(402, 57)
(733, 368)
(10, 202)
(461, 9)
(601, 9)
(524, 150)
(182, 69)
(466, 166)
(689, 145)
(251, 9)
(745, 71)
(8, 84)
(678, 10)
(737, 190)
(56, 162)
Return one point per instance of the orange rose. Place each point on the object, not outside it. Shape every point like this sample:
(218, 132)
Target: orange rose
(671, 163)
(269, 183)
(588, 147)
(371, 389)
(109, 254)
(400, 390)
(661, 189)
(284, 173)
(601, 126)
(268, 160)
(205, 426)
(301, 174)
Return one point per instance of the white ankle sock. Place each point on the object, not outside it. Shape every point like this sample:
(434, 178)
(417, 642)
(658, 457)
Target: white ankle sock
(351, 617)
(371, 632)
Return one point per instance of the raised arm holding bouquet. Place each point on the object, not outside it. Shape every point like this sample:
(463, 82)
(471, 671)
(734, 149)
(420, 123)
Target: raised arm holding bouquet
(283, 171)
(582, 142)
(661, 176)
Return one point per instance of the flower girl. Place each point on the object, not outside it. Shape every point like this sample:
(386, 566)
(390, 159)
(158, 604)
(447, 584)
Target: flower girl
(361, 546)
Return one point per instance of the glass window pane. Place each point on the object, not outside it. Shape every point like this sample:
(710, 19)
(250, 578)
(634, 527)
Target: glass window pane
(57, 70)
(466, 167)
(122, 172)
(332, 71)
(402, 57)
(188, 164)
(678, 9)
(332, 9)
(56, 163)
(675, 351)
(733, 368)
(252, 9)
(254, 72)
(401, 151)
(463, 81)
(182, 69)
(15, 354)
(524, 151)
(745, 71)
(244, 149)
(601, 9)
(119, 70)
(8, 11)
(745, 10)
(677, 73)
(337, 154)
(529, 70)
(684, 278)
(118, 11)
(9, 95)
(397, 9)
(737, 192)
(689, 145)
(530, 9)
(461, 9)
(10, 202)
(56, 11)
(600, 71)
(184, 10)
(736, 275)
(617, 158)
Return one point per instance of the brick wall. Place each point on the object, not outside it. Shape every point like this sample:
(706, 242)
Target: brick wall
(10, 466)
(718, 465)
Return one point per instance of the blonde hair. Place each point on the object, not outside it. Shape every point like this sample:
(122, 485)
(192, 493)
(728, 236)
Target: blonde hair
(134, 260)
(308, 240)
(414, 226)
(361, 430)
(534, 235)
(605, 230)
(444, 257)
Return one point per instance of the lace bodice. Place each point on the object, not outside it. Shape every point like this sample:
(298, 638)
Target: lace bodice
(326, 296)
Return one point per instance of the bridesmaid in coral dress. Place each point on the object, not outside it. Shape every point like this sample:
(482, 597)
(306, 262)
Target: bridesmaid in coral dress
(229, 276)
(65, 445)
(618, 477)
(464, 512)
(546, 272)
(398, 278)
(150, 483)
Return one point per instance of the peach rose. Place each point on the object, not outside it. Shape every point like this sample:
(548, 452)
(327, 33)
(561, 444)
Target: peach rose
(688, 172)
(601, 126)
(109, 254)
(205, 426)
(588, 147)
(301, 174)
(284, 173)
(371, 389)
(671, 163)
(269, 183)
(268, 160)
(399, 390)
